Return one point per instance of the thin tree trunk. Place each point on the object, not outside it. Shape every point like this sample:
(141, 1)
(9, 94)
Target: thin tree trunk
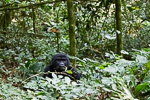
(33, 18)
(119, 27)
(71, 18)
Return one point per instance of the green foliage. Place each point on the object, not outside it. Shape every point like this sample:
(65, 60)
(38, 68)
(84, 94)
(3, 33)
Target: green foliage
(24, 53)
(64, 88)
(31, 67)
(10, 92)
(121, 80)
(141, 87)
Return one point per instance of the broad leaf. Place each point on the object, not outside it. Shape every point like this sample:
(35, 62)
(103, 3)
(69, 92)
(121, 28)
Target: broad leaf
(140, 87)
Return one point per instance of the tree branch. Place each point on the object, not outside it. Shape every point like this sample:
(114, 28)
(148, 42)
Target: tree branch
(57, 73)
(30, 5)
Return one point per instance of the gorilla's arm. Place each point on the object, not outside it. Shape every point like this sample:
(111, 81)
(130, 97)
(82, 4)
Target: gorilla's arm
(46, 70)
(75, 74)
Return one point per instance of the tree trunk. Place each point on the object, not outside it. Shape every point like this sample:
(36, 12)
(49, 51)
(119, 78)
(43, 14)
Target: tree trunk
(5, 20)
(71, 19)
(119, 27)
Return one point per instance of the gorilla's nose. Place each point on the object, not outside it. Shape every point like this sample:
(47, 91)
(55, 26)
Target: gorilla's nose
(61, 64)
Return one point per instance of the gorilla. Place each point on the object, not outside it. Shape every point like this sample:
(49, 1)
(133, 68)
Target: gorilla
(60, 64)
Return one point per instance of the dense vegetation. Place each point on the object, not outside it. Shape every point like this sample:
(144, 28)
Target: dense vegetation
(31, 31)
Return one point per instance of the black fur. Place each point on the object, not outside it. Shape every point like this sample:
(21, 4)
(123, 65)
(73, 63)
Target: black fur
(60, 63)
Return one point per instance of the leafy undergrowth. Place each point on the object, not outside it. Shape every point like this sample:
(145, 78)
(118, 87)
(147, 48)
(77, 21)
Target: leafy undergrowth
(118, 80)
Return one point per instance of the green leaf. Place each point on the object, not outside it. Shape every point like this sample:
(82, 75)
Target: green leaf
(41, 93)
(102, 67)
(140, 87)
(135, 8)
(107, 81)
(69, 71)
(141, 59)
(146, 49)
(147, 65)
(146, 79)
(7, 1)
(67, 79)
(27, 64)
(130, 8)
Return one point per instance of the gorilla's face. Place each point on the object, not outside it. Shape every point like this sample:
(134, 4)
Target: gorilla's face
(60, 62)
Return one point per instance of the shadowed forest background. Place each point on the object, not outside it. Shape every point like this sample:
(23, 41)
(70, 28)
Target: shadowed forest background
(108, 42)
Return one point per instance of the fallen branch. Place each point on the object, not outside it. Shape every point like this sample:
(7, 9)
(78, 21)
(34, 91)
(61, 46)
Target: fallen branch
(57, 73)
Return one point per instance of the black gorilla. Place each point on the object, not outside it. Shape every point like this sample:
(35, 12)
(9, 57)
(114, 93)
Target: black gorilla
(59, 64)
